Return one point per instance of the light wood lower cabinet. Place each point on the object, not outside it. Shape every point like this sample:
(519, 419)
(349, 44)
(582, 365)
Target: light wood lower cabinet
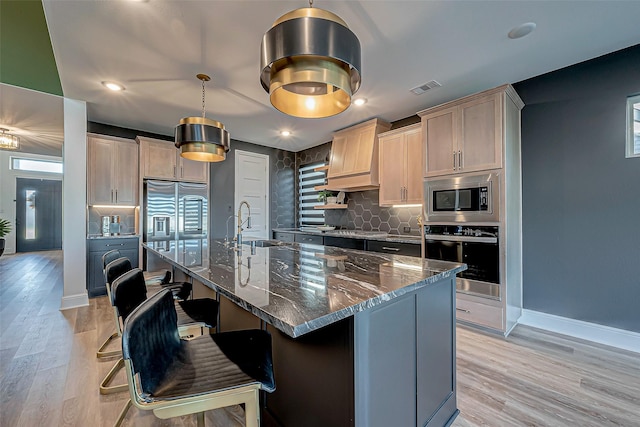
(401, 166)
(112, 171)
(162, 160)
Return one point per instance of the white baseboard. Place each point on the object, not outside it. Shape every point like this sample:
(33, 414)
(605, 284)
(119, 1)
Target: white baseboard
(74, 301)
(620, 338)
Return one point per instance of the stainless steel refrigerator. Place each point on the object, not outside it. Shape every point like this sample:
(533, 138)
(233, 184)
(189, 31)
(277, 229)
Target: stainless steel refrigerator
(175, 211)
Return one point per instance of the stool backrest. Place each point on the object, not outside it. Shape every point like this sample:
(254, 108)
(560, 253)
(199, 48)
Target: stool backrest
(115, 269)
(128, 291)
(150, 339)
(107, 257)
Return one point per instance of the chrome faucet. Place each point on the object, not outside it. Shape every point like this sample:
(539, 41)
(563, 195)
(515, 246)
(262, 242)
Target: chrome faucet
(241, 223)
(226, 230)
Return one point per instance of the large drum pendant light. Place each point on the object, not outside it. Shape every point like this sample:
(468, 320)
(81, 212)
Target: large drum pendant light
(202, 139)
(310, 63)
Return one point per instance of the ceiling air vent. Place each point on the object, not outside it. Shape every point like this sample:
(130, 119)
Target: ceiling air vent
(419, 90)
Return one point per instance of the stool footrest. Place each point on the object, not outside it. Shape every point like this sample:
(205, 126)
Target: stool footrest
(105, 388)
(102, 353)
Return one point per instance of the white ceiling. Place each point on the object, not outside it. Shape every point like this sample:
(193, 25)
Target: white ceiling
(155, 49)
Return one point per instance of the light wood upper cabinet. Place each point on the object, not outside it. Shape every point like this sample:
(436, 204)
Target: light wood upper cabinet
(162, 160)
(401, 166)
(466, 135)
(112, 176)
(354, 156)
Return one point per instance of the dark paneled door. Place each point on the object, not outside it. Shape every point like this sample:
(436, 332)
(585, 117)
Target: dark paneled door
(38, 214)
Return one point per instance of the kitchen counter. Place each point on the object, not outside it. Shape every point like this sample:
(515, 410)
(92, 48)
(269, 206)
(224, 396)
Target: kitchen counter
(119, 236)
(356, 335)
(299, 288)
(357, 234)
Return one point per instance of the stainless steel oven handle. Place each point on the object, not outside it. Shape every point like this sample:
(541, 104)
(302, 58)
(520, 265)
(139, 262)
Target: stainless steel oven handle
(386, 248)
(451, 238)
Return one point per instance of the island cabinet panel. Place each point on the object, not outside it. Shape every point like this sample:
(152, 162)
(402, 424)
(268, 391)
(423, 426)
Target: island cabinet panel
(314, 378)
(386, 365)
(435, 323)
(396, 382)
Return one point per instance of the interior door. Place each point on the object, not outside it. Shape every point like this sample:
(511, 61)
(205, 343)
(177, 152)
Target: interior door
(38, 214)
(252, 185)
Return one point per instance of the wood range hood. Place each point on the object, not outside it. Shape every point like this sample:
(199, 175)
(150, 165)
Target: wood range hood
(353, 165)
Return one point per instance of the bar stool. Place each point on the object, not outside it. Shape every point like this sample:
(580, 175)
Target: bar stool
(151, 277)
(129, 290)
(174, 377)
(114, 268)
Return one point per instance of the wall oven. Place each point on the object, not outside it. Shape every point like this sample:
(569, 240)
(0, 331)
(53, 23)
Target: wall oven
(477, 246)
(469, 198)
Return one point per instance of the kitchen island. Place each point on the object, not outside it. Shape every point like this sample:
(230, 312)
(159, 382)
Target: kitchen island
(359, 338)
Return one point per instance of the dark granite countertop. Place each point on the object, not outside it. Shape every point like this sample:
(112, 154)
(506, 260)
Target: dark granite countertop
(299, 288)
(357, 234)
(119, 236)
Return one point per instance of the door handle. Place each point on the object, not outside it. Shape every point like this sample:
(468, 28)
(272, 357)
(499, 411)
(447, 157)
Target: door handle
(459, 159)
(116, 196)
(463, 310)
(174, 172)
(118, 244)
(386, 248)
(181, 171)
(454, 160)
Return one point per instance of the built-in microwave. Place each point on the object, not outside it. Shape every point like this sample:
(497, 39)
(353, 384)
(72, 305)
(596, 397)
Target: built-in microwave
(469, 198)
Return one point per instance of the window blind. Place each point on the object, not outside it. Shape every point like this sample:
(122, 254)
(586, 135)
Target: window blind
(308, 178)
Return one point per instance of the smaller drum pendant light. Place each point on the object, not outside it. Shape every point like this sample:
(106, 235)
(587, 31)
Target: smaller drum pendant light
(202, 139)
(310, 63)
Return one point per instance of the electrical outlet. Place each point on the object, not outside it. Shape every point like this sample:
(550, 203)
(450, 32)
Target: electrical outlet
(406, 229)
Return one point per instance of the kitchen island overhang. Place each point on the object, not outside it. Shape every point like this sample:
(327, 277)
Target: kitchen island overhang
(384, 326)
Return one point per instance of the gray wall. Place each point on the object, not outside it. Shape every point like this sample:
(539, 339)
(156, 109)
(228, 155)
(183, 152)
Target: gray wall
(282, 184)
(581, 196)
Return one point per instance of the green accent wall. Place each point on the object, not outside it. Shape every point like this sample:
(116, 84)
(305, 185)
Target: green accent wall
(26, 55)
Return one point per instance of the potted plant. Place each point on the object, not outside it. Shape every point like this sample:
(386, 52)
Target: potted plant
(326, 196)
(5, 228)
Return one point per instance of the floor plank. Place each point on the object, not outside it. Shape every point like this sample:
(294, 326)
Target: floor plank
(49, 373)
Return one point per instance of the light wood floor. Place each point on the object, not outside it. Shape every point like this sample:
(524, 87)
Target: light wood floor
(49, 374)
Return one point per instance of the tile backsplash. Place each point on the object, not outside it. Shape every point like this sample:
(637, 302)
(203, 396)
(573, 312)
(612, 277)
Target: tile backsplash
(127, 219)
(364, 213)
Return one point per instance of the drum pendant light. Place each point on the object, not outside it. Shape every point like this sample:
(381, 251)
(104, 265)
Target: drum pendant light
(202, 139)
(310, 63)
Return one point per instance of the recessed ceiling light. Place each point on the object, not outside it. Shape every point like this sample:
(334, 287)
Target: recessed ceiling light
(285, 133)
(113, 86)
(522, 30)
(360, 101)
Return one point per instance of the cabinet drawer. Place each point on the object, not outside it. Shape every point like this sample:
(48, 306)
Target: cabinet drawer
(393, 248)
(109, 244)
(306, 238)
(342, 242)
(481, 314)
(283, 237)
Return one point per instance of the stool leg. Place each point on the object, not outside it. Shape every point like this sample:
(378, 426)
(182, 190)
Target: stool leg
(200, 419)
(104, 385)
(101, 353)
(252, 411)
(123, 413)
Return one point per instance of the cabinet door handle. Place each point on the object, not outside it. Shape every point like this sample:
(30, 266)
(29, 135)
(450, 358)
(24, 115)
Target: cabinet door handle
(174, 172)
(117, 244)
(112, 195)
(116, 196)
(459, 159)
(454, 160)
(463, 310)
(386, 248)
(181, 171)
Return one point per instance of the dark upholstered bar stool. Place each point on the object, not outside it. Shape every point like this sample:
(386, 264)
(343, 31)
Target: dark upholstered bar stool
(175, 377)
(129, 290)
(119, 266)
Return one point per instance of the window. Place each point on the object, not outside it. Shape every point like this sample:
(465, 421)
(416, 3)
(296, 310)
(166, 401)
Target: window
(308, 178)
(35, 165)
(633, 126)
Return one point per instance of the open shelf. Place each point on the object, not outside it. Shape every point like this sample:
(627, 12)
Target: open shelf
(332, 206)
(321, 187)
(321, 168)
